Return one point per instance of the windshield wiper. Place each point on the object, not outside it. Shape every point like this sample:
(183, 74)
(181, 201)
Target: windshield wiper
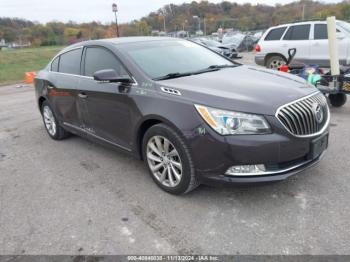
(220, 66)
(172, 75)
(211, 68)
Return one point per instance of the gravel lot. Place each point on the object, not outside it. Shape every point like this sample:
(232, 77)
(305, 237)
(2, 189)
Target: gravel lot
(77, 197)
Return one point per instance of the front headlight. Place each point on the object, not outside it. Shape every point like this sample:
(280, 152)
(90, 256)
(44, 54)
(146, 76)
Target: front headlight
(233, 123)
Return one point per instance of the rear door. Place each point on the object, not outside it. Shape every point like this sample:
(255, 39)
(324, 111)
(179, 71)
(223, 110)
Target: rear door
(271, 42)
(62, 89)
(108, 105)
(298, 36)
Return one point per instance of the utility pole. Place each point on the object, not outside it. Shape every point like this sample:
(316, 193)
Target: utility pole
(199, 21)
(115, 10)
(303, 13)
(162, 15)
(164, 23)
(205, 26)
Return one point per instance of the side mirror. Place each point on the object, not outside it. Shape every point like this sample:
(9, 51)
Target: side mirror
(110, 75)
(340, 35)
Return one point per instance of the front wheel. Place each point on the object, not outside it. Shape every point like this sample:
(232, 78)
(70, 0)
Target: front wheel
(337, 100)
(169, 160)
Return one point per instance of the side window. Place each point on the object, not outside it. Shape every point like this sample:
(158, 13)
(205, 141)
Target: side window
(320, 31)
(298, 32)
(54, 64)
(275, 34)
(70, 62)
(99, 58)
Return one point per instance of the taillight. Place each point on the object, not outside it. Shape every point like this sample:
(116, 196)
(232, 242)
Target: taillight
(258, 48)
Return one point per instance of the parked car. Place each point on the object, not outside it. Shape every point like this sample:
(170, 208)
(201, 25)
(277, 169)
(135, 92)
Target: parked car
(216, 46)
(309, 38)
(239, 41)
(191, 114)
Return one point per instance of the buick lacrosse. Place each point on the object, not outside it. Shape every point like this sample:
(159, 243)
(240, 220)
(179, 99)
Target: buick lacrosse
(192, 115)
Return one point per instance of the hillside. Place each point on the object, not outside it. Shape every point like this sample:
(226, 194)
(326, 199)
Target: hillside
(177, 17)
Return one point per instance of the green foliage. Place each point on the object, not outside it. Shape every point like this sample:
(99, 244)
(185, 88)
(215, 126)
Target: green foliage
(15, 62)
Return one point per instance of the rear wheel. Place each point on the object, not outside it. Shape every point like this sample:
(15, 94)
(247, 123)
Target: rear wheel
(169, 160)
(275, 62)
(52, 126)
(337, 100)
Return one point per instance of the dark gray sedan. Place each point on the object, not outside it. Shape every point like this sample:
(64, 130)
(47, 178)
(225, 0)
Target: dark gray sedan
(192, 115)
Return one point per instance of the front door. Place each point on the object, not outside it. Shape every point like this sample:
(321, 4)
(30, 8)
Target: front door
(320, 48)
(107, 105)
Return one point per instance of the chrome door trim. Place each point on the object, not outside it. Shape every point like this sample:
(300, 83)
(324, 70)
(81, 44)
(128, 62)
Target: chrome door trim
(96, 136)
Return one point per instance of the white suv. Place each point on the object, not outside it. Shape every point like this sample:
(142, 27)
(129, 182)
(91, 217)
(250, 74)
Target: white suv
(310, 38)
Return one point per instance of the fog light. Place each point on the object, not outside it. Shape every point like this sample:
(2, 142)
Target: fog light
(246, 170)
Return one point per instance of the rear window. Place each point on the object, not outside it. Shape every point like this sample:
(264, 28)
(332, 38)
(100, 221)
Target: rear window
(298, 32)
(275, 34)
(54, 64)
(70, 62)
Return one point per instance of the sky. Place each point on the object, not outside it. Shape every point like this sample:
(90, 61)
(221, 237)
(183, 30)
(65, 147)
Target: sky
(95, 10)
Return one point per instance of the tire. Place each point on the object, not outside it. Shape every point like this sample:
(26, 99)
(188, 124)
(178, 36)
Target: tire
(337, 100)
(154, 144)
(274, 62)
(51, 124)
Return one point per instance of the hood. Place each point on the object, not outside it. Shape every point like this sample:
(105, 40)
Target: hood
(243, 88)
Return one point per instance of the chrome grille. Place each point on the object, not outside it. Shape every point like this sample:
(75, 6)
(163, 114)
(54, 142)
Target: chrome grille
(301, 118)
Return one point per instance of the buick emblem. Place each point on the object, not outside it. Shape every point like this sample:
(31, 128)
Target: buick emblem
(317, 110)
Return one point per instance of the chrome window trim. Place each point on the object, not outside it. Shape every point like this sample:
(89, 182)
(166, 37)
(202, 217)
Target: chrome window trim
(96, 136)
(326, 125)
(63, 52)
(135, 83)
(67, 74)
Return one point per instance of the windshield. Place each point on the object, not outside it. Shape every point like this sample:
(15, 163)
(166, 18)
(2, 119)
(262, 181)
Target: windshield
(160, 58)
(345, 26)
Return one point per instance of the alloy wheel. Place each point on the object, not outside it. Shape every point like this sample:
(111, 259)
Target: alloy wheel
(164, 161)
(276, 64)
(50, 122)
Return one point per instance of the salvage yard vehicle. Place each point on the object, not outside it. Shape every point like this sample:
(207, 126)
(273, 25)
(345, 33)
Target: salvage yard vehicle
(192, 115)
(239, 41)
(310, 38)
(217, 47)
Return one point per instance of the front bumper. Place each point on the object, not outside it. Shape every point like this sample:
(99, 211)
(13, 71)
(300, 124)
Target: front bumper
(219, 179)
(283, 154)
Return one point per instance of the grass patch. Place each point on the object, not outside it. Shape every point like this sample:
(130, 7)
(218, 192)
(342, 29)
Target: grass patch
(15, 62)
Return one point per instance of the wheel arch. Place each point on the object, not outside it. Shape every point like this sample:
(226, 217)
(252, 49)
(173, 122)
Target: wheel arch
(41, 101)
(145, 124)
(268, 56)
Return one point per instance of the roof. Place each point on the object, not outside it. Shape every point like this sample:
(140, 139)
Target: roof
(118, 40)
(303, 22)
(135, 39)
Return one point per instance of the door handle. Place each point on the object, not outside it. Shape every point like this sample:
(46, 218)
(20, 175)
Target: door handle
(82, 95)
